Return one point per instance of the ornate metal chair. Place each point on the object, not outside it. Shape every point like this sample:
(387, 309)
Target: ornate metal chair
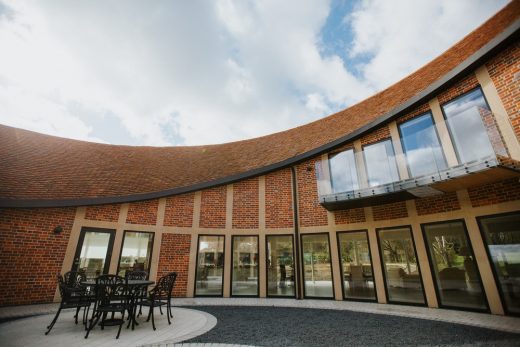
(160, 295)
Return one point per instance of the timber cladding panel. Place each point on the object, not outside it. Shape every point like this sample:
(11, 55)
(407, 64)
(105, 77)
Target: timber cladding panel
(105, 213)
(213, 208)
(179, 210)
(437, 204)
(504, 70)
(310, 213)
(175, 257)
(278, 199)
(246, 204)
(390, 211)
(31, 255)
(143, 212)
(494, 193)
(353, 215)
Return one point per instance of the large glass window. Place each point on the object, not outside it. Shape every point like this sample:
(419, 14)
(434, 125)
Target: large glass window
(244, 276)
(454, 267)
(280, 265)
(380, 163)
(94, 251)
(136, 252)
(343, 171)
(402, 275)
(502, 237)
(210, 266)
(421, 145)
(317, 269)
(464, 117)
(356, 266)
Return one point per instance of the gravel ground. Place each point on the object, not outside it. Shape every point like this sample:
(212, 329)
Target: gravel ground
(278, 326)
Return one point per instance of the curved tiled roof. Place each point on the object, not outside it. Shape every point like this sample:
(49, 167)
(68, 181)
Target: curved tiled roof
(42, 170)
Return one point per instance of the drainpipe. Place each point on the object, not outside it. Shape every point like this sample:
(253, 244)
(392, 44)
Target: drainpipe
(297, 264)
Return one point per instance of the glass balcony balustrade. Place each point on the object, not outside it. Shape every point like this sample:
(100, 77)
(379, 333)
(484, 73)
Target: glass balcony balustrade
(431, 159)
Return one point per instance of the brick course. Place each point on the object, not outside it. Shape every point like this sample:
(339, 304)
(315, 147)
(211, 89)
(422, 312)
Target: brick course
(143, 212)
(494, 193)
(278, 199)
(353, 215)
(437, 204)
(311, 213)
(179, 210)
(175, 257)
(416, 112)
(390, 211)
(105, 213)
(213, 208)
(379, 134)
(464, 85)
(245, 204)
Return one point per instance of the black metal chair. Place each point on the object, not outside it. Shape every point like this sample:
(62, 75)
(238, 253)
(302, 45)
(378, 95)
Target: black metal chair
(73, 295)
(160, 295)
(110, 297)
(136, 275)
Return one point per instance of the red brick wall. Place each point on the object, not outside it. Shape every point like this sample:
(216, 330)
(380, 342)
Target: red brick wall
(376, 135)
(504, 70)
(179, 210)
(416, 112)
(437, 204)
(31, 255)
(311, 213)
(213, 208)
(353, 215)
(106, 213)
(278, 200)
(143, 212)
(175, 257)
(245, 204)
(390, 211)
(464, 85)
(494, 193)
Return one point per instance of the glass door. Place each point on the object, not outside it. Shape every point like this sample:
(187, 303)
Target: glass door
(210, 266)
(244, 257)
(94, 251)
(136, 253)
(317, 267)
(280, 265)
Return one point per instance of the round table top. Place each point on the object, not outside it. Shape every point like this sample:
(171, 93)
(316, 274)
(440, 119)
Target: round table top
(129, 282)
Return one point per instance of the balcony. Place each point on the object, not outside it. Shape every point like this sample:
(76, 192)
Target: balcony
(464, 151)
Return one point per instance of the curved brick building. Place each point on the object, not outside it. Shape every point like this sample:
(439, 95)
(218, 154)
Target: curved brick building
(411, 196)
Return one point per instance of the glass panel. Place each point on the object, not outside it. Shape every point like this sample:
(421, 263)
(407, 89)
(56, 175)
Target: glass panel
(136, 253)
(380, 163)
(317, 266)
(356, 266)
(280, 265)
(93, 253)
(502, 235)
(343, 172)
(210, 267)
(454, 267)
(464, 117)
(403, 279)
(245, 265)
(422, 147)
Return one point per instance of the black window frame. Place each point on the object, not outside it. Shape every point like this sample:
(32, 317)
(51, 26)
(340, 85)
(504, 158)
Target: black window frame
(231, 268)
(197, 268)
(123, 244)
(266, 268)
(305, 296)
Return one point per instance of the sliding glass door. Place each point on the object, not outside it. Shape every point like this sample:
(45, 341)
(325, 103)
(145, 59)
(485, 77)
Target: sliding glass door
(280, 265)
(209, 275)
(317, 269)
(244, 259)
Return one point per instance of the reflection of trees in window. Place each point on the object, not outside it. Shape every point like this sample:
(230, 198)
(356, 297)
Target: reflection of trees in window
(447, 250)
(400, 251)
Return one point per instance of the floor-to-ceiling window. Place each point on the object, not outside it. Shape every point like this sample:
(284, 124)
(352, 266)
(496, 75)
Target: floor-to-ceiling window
(317, 269)
(356, 265)
(94, 251)
(400, 266)
(244, 276)
(380, 163)
(343, 171)
(501, 234)
(136, 252)
(453, 265)
(210, 266)
(280, 265)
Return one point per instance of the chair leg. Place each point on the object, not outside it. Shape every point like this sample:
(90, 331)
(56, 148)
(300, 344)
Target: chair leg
(93, 322)
(53, 321)
(168, 315)
(153, 320)
(160, 309)
(149, 313)
(120, 325)
(77, 313)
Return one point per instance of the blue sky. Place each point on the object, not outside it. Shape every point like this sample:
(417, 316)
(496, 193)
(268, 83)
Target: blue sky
(184, 73)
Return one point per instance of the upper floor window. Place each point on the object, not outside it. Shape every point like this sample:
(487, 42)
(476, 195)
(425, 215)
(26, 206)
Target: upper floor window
(343, 171)
(465, 120)
(380, 163)
(421, 145)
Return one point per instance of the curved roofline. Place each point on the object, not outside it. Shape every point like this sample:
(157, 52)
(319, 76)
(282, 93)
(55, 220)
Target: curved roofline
(506, 36)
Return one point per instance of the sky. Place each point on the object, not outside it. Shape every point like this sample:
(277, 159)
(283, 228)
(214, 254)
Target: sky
(166, 73)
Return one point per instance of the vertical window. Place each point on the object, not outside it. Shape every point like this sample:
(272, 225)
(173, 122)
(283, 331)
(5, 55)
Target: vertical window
(465, 120)
(502, 237)
(421, 145)
(380, 163)
(136, 252)
(356, 266)
(280, 265)
(454, 267)
(400, 267)
(317, 269)
(343, 171)
(210, 266)
(244, 276)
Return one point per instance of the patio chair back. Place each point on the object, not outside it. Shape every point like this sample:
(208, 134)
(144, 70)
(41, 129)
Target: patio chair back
(109, 288)
(136, 275)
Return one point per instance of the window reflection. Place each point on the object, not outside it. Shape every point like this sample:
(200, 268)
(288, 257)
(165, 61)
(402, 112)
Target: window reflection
(402, 275)
(356, 266)
(136, 252)
(245, 266)
(343, 171)
(502, 237)
(316, 265)
(210, 265)
(280, 265)
(380, 163)
(454, 267)
(422, 147)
